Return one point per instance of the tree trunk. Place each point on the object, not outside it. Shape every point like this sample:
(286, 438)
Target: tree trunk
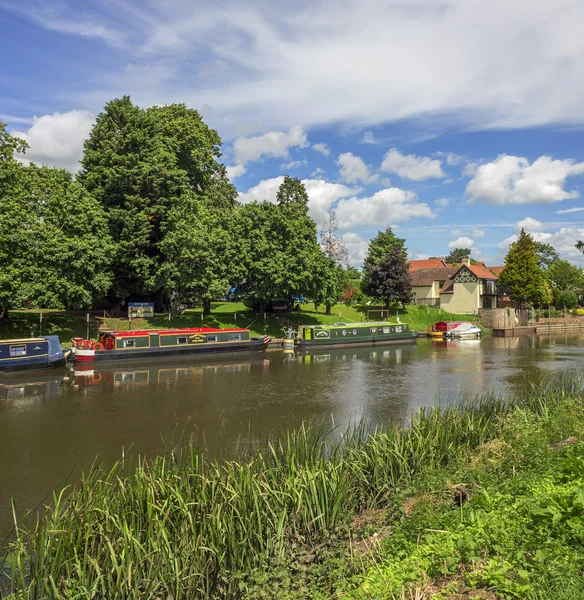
(174, 305)
(387, 303)
(3, 312)
(328, 309)
(262, 306)
(206, 307)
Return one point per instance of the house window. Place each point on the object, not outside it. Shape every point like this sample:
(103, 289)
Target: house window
(17, 350)
(232, 337)
(182, 340)
(129, 343)
(211, 338)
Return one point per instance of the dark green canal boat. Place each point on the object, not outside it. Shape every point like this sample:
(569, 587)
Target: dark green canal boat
(353, 334)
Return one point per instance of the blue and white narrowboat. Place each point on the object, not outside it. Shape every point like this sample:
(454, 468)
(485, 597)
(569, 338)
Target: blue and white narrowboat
(31, 354)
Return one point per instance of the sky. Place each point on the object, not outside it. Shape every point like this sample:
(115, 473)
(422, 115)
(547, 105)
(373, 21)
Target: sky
(455, 122)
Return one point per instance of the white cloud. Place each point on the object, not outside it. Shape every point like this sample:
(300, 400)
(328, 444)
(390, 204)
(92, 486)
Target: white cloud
(57, 139)
(274, 144)
(286, 63)
(322, 194)
(530, 225)
(512, 180)
(356, 246)
(569, 210)
(416, 168)
(390, 205)
(476, 232)
(461, 242)
(294, 164)
(318, 171)
(455, 232)
(442, 202)
(563, 240)
(235, 171)
(369, 138)
(354, 170)
(470, 169)
(322, 148)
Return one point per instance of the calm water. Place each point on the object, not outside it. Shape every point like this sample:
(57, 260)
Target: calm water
(52, 423)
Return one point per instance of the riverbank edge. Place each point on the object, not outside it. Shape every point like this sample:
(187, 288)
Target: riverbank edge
(296, 519)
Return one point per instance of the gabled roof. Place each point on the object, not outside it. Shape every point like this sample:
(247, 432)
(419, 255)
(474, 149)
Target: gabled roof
(481, 271)
(429, 263)
(496, 270)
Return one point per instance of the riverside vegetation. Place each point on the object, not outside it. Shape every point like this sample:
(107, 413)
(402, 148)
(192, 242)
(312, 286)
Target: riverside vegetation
(317, 514)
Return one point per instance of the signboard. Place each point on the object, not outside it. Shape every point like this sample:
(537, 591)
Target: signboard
(140, 309)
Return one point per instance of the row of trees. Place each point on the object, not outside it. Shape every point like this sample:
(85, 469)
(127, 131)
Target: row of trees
(152, 212)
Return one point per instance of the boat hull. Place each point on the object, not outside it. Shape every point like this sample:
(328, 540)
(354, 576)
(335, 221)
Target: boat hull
(31, 354)
(107, 356)
(33, 366)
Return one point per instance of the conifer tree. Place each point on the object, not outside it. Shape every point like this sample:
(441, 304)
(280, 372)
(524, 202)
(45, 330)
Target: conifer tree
(389, 280)
(522, 274)
(379, 248)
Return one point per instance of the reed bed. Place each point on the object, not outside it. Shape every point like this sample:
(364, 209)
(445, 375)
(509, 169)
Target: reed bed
(186, 526)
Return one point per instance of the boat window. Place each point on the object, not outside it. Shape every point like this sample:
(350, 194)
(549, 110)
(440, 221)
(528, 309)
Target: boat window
(234, 336)
(211, 338)
(181, 340)
(129, 343)
(17, 350)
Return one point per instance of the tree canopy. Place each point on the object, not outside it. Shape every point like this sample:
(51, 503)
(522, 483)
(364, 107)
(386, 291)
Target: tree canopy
(457, 255)
(522, 275)
(378, 250)
(389, 280)
(546, 254)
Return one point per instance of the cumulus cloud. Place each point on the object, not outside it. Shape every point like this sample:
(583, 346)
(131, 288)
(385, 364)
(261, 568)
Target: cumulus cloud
(461, 242)
(294, 164)
(354, 170)
(563, 240)
(442, 202)
(57, 139)
(356, 247)
(274, 144)
(322, 148)
(476, 232)
(530, 225)
(512, 180)
(235, 171)
(416, 168)
(390, 205)
(322, 194)
(318, 171)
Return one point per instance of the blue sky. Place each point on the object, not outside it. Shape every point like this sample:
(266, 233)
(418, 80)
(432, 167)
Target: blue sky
(454, 121)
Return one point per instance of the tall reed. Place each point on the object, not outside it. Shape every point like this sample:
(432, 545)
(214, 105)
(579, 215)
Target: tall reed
(182, 525)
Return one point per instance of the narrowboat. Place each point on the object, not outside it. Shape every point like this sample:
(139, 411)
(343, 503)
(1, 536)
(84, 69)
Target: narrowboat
(353, 334)
(150, 343)
(31, 354)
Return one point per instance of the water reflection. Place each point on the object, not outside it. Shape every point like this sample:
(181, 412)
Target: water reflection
(53, 421)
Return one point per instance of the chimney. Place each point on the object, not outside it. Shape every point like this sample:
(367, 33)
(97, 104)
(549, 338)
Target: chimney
(466, 261)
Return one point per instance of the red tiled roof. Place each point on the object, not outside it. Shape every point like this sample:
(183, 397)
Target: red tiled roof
(481, 272)
(496, 270)
(429, 263)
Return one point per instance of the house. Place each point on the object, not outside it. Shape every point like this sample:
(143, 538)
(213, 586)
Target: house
(462, 288)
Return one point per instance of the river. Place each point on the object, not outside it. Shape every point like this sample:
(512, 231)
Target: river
(54, 424)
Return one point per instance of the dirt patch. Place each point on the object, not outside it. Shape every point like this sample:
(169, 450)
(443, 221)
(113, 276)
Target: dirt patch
(454, 588)
(567, 442)
(491, 452)
(369, 518)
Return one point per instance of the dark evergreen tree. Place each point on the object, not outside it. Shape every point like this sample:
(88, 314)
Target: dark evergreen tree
(379, 248)
(389, 280)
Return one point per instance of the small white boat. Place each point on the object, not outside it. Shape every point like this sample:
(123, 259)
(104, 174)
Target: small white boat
(464, 331)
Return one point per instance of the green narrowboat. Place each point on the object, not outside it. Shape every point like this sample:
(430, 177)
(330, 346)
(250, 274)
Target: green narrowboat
(353, 334)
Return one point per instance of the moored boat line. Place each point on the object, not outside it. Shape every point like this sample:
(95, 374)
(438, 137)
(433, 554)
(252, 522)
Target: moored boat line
(32, 354)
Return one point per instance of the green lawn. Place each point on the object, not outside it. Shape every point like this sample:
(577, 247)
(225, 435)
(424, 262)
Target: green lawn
(26, 323)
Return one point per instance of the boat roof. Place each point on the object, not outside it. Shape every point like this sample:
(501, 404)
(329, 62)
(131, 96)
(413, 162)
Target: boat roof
(23, 340)
(186, 330)
(349, 325)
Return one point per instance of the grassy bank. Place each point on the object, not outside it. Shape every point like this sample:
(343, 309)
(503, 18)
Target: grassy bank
(308, 517)
(224, 314)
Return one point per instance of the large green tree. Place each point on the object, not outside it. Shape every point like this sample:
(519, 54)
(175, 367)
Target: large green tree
(522, 275)
(139, 163)
(55, 249)
(379, 248)
(566, 282)
(546, 254)
(457, 255)
(389, 280)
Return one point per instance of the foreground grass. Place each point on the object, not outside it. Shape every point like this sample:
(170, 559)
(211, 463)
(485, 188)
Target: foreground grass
(223, 314)
(367, 516)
